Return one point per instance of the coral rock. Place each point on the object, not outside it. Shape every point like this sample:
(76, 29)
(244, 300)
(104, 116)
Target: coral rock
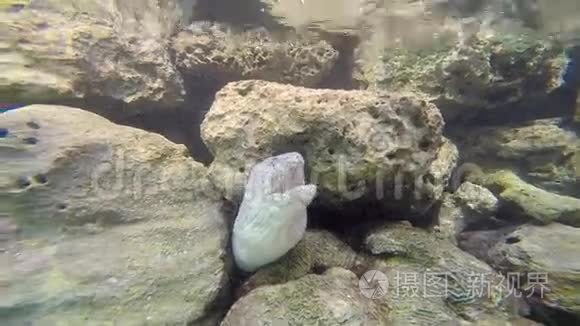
(465, 78)
(429, 279)
(350, 140)
(333, 298)
(318, 250)
(50, 56)
(469, 205)
(208, 51)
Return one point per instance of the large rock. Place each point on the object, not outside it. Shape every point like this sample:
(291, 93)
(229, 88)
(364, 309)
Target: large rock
(56, 56)
(432, 282)
(544, 152)
(333, 298)
(520, 199)
(353, 142)
(470, 205)
(106, 224)
(210, 52)
(544, 258)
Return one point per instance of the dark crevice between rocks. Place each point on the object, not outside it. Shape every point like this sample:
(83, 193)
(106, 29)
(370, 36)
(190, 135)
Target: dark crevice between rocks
(560, 103)
(180, 125)
(548, 316)
(351, 221)
(342, 74)
(232, 278)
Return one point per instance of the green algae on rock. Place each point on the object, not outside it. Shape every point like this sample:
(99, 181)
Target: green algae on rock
(333, 298)
(548, 252)
(544, 152)
(525, 200)
(318, 250)
(115, 225)
(480, 73)
(443, 274)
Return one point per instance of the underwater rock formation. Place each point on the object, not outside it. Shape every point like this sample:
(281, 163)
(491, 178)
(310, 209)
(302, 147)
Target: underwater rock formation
(439, 274)
(469, 205)
(481, 73)
(318, 251)
(548, 252)
(353, 142)
(544, 152)
(525, 201)
(210, 52)
(333, 298)
(110, 224)
(441, 170)
(272, 217)
(52, 56)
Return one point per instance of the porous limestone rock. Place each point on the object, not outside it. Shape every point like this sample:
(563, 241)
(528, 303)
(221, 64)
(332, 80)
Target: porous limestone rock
(524, 200)
(51, 56)
(333, 298)
(469, 205)
(355, 143)
(432, 282)
(106, 224)
(545, 257)
(272, 217)
(483, 72)
(441, 170)
(210, 52)
(543, 151)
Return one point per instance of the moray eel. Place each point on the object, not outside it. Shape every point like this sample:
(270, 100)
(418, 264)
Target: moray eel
(272, 217)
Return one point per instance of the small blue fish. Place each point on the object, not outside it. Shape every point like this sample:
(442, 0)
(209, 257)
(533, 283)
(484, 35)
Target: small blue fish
(5, 107)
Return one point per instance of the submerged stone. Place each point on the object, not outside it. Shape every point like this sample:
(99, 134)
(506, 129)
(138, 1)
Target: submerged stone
(522, 199)
(106, 224)
(545, 257)
(355, 143)
(333, 298)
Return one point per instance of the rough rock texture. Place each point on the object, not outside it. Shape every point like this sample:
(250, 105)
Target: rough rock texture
(206, 51)
(272, 217)
(52, 56)
(544, 152)
(106, 224)
(318, 250)
(351, 140)
(441, 170)
(432, 282)
(469, 205)
(333, 298)
(481, 73)
(522, 199)
(544, 255)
